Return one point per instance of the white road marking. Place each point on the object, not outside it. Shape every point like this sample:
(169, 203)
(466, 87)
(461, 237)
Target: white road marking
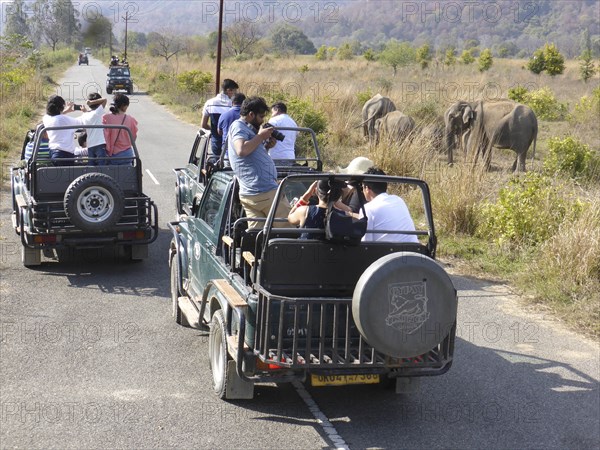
(328, 428)
(152, 176)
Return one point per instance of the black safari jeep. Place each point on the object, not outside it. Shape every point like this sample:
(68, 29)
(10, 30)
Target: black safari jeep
(80, 205)
(191, 179)
(281, 308)
(119, 79)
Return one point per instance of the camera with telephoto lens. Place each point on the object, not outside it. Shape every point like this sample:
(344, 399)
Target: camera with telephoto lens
(276, 134)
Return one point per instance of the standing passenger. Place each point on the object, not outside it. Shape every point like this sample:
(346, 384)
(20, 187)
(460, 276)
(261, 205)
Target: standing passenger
(96, 144)
(252, 164)
(279, 118)
(118, 143)
(229, 117)
(213, 108)
(60, 142)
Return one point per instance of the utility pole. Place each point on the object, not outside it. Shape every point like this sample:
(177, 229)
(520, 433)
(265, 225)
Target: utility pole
(126, 19)
(220, 37)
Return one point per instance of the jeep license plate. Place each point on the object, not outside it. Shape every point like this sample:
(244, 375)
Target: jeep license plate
(119, 85)
(341, 380)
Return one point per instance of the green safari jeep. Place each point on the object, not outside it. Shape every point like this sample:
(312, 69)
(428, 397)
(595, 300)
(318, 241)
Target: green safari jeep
(281, 308)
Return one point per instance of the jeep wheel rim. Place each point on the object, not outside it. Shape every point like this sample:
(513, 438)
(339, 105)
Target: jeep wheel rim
(216, 355)
(95, 204)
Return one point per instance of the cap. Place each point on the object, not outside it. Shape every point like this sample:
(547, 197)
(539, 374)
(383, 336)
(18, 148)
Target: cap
(357, 166)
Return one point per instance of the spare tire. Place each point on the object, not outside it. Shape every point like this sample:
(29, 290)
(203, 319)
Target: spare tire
(94, 202)
(404, 304)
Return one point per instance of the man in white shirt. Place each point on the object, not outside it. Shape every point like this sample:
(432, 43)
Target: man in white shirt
(213, 108)
(96, 144)
(279, 118)
(385, 212)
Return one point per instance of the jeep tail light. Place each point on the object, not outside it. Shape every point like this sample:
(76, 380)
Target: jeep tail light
(132, 235)
(261, 365)
(45, 239)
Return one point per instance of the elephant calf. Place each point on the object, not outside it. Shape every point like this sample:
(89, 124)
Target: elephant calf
(374, 109)
(394, 125)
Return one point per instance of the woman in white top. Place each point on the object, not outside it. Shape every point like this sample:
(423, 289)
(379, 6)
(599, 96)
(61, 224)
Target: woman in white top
(61, 142)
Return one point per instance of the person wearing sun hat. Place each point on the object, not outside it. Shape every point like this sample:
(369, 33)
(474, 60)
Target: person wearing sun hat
(350, 195)
(357, 166)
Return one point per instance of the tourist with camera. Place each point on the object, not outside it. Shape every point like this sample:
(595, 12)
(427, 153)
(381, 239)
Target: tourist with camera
(284, 147)
(248, 143)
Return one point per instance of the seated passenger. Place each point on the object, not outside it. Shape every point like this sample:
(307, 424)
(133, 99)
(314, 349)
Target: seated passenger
(43, 150)
(385, 212)
(350, 196)
(313, 216)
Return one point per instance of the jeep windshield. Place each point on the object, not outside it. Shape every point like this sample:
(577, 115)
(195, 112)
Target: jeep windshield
(118, 73)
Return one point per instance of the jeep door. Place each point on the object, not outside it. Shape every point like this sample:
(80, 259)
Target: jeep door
(206, 228)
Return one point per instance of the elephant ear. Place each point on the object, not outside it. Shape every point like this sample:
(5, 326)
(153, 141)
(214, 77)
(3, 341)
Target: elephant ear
(467, 115)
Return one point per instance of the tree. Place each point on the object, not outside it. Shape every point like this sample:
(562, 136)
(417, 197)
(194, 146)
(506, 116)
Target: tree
(321, 54)
(466, 57)
(449, 57)
(164, 44)
(16, 22)
(586, 66)
(555, 62)
(397, 54)
(287, 38)
(240, 37)
(99, 33)
(537, 63)
(369, 55)
(485, 60)
(55, 22)
(345, 52)
(424, 56)
(547, 59)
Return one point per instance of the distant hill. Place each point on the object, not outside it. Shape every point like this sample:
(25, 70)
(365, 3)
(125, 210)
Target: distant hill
(526, 24)
(522, 25)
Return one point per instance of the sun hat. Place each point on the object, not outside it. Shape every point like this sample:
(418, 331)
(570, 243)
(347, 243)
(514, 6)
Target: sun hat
(357, 166)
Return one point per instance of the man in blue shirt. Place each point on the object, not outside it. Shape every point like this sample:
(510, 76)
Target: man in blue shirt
(248, 144)
(213, 108)
(230, 116)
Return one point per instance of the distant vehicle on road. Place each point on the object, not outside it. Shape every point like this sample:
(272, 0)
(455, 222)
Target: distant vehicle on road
(83, 59)
(119, 79)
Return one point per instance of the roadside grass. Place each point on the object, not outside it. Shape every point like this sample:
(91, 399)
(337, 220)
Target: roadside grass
(21, 104)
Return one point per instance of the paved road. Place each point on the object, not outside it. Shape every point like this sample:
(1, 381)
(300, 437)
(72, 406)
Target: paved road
(91, 358)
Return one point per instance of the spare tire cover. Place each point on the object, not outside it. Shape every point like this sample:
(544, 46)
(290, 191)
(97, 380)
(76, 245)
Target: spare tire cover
(404, 304)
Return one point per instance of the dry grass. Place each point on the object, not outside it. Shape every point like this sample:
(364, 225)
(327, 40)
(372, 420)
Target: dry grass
(565, 274)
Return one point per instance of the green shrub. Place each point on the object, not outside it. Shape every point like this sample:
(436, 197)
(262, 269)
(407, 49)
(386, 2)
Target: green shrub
(545, 105)
(194, 81)
(485, 60)
(364, 96)
(321, 54)
(529, 210)
(369, 55)
(426, 111)
(567, 156)
(518, 93)
(466, 57)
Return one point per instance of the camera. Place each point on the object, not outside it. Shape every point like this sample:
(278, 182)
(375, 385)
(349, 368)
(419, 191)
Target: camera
(76, 107)
(276, 134)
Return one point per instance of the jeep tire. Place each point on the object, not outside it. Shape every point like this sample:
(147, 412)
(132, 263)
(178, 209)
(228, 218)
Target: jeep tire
(94, 202)
(404, 304)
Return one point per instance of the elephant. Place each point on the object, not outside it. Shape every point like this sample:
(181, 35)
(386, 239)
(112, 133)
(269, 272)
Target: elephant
(481, 125)
(373, 109)
(394, 125)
